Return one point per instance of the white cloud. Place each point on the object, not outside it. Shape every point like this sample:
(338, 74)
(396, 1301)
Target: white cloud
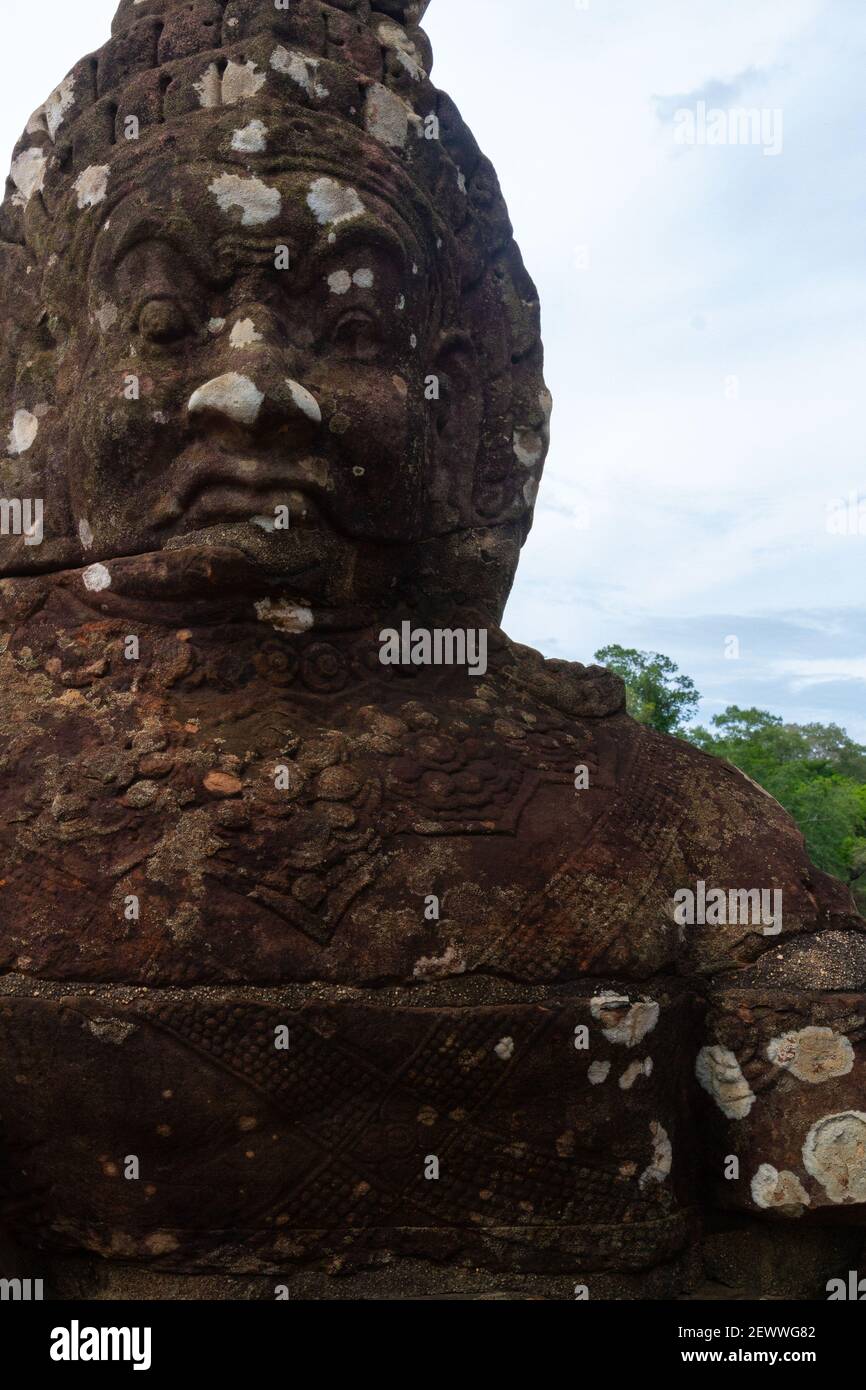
(667, 507)
(820, 671)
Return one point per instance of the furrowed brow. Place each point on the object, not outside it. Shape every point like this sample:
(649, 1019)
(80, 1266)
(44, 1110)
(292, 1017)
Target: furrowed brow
(115, 246)
(364, 235)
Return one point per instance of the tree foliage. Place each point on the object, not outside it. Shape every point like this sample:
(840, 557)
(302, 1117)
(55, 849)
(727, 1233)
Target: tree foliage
(816, 771)
(656, 691)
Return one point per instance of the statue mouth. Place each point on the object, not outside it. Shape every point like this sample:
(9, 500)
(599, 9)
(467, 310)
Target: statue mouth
(223, 488)
(270, 508)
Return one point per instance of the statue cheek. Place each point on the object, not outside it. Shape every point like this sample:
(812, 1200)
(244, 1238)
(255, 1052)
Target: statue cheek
(130, 394)
(367, 414)
(115, 443)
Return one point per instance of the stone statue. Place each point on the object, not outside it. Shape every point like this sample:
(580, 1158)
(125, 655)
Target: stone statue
(348, 946)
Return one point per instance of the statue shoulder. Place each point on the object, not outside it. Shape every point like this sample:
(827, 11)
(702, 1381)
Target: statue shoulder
(698, 816)
(568, 686)
(735, 834)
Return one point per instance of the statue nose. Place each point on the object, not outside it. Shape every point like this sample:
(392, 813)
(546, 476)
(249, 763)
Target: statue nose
(264, 389)
(240, 398)
(235, 397)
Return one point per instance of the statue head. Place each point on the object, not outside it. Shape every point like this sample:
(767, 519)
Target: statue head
(265, 298)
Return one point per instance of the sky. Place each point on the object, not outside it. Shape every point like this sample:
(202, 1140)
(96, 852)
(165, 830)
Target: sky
(703, 295)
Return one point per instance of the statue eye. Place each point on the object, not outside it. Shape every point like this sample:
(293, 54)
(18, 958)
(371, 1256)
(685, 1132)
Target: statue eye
(356, 334)
(163, 321)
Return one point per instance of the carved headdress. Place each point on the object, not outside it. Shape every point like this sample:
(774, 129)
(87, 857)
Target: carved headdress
(346, 86)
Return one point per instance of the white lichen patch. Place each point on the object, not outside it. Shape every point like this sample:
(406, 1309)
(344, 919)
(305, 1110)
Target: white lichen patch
(303, 70)
(106, 315)
(305, 401)
(232, 395)
(257, 201)
(440, 967)
(85, 533)
(91, 186)
(598, 1073)
(244, 334)
(395, 38)
(528, 447)
(333, 202)
(835, 1155)
(240, 81)
(624, 1022)
(387, 117)
(209, 87)
(49, 116)
(25, 427)
(721, 1076)
(782, 1192)
(340, 282)
(251, 139)
(504, 1049)
(284, 615)
(660, 1165)
(633, 1071)
(28, 174)
(96, 578)
(813, 1054)
(215, 325)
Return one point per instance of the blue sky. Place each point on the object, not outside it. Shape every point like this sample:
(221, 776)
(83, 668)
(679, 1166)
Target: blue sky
(673, 517)
(704, 311)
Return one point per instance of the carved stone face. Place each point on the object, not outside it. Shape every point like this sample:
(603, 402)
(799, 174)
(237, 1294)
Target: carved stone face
(252, 342)
(289, 293)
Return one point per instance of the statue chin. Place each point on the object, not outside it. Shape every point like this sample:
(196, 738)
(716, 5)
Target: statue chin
(315, 565)
(234, 564)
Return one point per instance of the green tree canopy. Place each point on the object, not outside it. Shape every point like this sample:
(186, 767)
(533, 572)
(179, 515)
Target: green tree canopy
(816, 771)
(657, 693)
(756, 736)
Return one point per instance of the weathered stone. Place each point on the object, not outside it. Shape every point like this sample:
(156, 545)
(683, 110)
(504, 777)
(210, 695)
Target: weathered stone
(295, 929)
(777, 1262)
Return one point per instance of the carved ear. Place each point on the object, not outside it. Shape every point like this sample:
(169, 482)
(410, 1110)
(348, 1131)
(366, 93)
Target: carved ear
(457, 409)
(456, 366)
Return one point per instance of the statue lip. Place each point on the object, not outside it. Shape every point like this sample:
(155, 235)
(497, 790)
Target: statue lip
(217, 502)
(217, 486)
(193, 576)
